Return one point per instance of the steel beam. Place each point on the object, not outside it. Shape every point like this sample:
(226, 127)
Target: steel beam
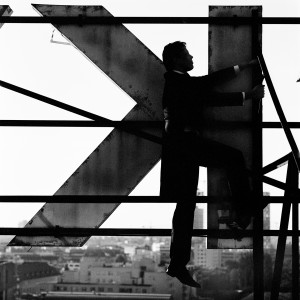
(126, 199)
(295, 248)
(79, 112)
(278, 108)
(277, 164)
(292, 185)
(133, 124)
(85, 20)
(258, 239)
(5, 11)
(78, 232)
(122, 160)
(230, 45)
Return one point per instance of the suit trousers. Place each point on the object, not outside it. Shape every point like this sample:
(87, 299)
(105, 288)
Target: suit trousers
(183, 154)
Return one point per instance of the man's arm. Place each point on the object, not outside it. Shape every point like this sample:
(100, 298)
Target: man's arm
(234, 99)
(227, 73)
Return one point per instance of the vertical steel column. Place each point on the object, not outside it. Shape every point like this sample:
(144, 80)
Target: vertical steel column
(230, 45)
(292, 184)
(295, 247)
(258, 239)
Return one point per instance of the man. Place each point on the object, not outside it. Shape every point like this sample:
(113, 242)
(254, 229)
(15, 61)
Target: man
(184, 148)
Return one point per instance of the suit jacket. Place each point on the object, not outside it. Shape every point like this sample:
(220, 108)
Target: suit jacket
(185, 97)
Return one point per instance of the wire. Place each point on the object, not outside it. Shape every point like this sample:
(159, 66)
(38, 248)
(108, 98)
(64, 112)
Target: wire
(57, 42)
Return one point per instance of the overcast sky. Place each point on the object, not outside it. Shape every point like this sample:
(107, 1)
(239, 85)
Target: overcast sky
(37, 161)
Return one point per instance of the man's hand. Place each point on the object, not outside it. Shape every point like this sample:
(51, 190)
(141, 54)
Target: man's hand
(251, 63)
(258, 92)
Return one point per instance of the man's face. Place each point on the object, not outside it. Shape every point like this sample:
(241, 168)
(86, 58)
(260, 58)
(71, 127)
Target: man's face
(184, 61)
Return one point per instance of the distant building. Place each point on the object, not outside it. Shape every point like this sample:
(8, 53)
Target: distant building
(144, 252)
(164, 251)
(75, 254)
(72, 266)
(198, 218)
(104, 296)
(27, 277)
(213, 258)
(267, 223)
(102, 288)
(8, 282)
(141, 277)
(36, 277)
(200, 251)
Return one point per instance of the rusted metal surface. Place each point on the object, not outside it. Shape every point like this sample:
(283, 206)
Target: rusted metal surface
(66, 215)
(228, 46)
(122, 160)
(5, 11)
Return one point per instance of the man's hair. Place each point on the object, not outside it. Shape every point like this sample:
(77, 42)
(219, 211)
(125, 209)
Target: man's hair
(171, 51)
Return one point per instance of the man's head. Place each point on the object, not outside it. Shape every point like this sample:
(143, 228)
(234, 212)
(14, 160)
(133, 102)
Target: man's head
(177, 57)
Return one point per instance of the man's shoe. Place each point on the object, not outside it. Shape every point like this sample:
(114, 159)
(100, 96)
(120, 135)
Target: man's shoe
(243, 221)
(183, 275)
(236, 229)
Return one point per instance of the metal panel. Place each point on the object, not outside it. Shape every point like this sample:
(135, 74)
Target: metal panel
(5, 11)
(228, 46)
(121, 161)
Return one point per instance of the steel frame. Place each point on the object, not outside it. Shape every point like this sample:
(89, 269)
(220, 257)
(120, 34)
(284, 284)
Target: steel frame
(291, 186)
(83, 20)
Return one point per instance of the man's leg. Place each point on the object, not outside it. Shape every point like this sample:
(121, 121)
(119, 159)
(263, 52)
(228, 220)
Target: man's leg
(183, 218)
(182, 227)
(210, 153)
(184, 188)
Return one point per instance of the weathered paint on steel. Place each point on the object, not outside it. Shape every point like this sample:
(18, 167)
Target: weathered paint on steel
(66, 215)
(122, 160)
(5, 11)
(229, 45)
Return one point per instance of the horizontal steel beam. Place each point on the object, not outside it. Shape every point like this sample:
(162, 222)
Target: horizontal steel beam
(102, 123)
(77, 111)
(129, 199)
(81, 20)
(278, 125)
(131, 124)
(58, 231)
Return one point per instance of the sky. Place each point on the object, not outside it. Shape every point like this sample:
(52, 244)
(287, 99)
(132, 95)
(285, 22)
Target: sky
(37, 161)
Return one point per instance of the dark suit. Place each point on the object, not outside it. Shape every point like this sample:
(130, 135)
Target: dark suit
(184, 149)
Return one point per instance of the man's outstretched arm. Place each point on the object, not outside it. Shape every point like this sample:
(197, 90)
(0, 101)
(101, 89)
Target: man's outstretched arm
(234, 99)
(226, 74)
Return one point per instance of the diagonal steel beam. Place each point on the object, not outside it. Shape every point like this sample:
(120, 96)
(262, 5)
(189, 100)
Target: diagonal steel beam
(5, 12)
(278, 108)
(277, 163)
(121, 161)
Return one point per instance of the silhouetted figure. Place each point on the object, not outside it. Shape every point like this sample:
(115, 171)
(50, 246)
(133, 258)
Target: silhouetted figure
(185, 149)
